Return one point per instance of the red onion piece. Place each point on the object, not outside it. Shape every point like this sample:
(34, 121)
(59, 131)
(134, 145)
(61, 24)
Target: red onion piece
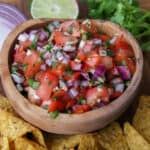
(43, 35)
(125, 73)
(100, 71)
(13, 11)
(85, 76)
(10, 17)
(119, 87)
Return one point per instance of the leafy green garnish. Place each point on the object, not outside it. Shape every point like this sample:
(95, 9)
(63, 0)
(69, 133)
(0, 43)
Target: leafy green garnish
(24, 67)
(14, 69)
(107, 43)
(110, 53)
(69, 71)
(54, 64)
(48, 47)
(34, 44)
(54, 114)
(126, 13)
(81, 101)
(33, 83)
(86, 36)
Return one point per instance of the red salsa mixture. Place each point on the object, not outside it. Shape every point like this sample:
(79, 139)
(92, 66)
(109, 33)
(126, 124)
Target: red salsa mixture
(71, 66)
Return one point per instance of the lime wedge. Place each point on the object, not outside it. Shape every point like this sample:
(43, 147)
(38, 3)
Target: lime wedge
(66, 9)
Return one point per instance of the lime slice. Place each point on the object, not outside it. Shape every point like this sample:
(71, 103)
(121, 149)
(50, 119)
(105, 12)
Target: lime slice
(66, 9)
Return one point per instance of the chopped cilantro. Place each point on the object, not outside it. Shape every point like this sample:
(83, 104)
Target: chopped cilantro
(54, 64)
(69, 71)
(14, 69)
(81, 101)
(34, 44)
(107, 43)
(86, 36)
(110, 53)
(54, 114)
(24, 67)
(34, 84)
(123, 62)
(48, 47)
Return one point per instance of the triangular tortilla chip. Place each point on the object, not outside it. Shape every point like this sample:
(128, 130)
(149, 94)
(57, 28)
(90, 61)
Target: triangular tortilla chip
(112, 138)
(25, 144)
(14, 127)
(80, 142)
(134, 139)
(5, 105)
(141, 119)
(4, 143)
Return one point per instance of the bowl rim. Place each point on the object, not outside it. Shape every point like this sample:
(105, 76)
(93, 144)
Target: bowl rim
(67, 123)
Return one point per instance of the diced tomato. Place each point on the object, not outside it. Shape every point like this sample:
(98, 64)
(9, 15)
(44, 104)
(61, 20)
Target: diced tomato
(44, 91)
(32, 59)
(70, 103)
(49, 78)
(104, 37)
(131, 65)
(122, 44)
(115, 95)
(61, 39)
(93, 94)
(31, 70)
(56, 105)
(48, 81)
(72, 77)
(19, 56)
(93, 59)
(107, 61)
(75, 76)
(33, 63)
(63, 96)
(81, 56)
(59, 69)
(120, 56)
(104, 94)
(26, 44)
(77, 109)
(75, 65)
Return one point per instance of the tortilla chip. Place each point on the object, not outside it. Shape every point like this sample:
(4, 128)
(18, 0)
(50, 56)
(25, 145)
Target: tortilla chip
(13, 127)
(4, 143)
(80, 142)
(141, 120)
(5, 105)
(25, 144)
(112, 138)
(134, 139)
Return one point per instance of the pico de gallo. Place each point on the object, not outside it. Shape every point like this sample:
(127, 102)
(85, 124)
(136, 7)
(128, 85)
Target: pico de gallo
(71, 66)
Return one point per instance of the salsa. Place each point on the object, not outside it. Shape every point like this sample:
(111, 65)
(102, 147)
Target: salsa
(71, 66)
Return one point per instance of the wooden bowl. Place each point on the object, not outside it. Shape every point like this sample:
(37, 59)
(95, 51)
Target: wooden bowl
(68, 123)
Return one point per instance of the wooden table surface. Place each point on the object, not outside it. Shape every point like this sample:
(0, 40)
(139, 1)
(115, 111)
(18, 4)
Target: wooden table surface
(23, 5)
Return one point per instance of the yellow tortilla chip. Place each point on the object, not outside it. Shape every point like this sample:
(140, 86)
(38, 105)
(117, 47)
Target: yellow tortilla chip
(4, 143)
(25, 144)
(5, 105)
(80, 142)
(141, 120)
(134, 139)
(13, 127)
(112, 138)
